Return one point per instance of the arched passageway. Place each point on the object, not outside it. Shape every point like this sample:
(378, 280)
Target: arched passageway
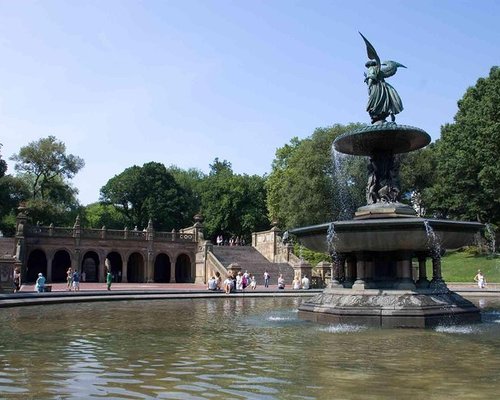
(162, 268)
(135, 268)
(37, 262)
(60, 264)
(115, 259)
(90, 267)
(183, 269)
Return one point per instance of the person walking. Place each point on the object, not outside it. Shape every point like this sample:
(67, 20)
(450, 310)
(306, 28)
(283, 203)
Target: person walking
(76, 281)
(17, 280)
(69, 278)
(266, 279)
(480, 279)
(109, 279)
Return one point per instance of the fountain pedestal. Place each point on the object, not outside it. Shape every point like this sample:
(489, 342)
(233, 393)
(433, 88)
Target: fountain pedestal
(420, 308)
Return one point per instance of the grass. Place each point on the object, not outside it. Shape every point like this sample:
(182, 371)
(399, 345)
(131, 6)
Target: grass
(462, 266)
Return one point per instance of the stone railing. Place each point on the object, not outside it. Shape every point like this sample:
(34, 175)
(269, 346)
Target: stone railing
(214, 265)
(113, 234)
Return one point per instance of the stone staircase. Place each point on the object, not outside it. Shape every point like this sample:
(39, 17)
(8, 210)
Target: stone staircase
(249, 259)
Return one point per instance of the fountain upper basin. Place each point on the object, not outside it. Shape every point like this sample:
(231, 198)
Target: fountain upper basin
(388, 137)
(390, 234)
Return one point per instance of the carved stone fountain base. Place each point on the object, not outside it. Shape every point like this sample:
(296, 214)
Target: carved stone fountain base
(421, 308)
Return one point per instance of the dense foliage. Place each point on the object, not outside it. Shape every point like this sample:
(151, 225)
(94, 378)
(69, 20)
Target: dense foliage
(147, 192)
(44, 171)
(232, 204)
(467, 182)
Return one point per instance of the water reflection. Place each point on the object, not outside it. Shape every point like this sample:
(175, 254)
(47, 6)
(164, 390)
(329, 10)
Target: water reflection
(235, 348)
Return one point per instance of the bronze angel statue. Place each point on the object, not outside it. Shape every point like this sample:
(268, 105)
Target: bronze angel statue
(383, 100)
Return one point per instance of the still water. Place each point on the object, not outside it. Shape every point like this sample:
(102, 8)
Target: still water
(236, 349)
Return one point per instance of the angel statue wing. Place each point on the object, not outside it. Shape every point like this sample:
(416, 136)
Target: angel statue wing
(389, 68)
(370, 50)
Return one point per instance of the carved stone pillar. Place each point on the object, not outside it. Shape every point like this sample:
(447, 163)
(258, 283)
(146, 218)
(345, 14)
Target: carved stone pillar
(437, 280)
(124, 271)
(406, 281)
(350, 271)
(422, 282)
(49, 268)
(172, 272)
(360, 283)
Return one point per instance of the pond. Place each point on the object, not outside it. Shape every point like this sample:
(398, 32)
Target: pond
(237, 348)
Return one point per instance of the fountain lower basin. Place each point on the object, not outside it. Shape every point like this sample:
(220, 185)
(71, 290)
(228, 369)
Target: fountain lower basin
(374, 279)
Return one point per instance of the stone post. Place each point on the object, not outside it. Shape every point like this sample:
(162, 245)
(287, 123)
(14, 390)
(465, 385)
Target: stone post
(49, 268)
(437, 280)
(350, 271)
(323, 268)
(124, 271)
(406, 281)
(172, 272)
(338, 265)
(150, 236)
(203, 248)
(359, 283)
(233, 269)
(303, 268)
(422, 282)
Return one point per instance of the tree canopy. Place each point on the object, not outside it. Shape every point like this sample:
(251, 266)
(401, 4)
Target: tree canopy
(468, 164)
(44, 170)
(148, 192)
(232, 204)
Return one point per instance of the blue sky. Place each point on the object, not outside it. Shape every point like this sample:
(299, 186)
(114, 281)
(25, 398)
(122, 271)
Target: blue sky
(182, 82)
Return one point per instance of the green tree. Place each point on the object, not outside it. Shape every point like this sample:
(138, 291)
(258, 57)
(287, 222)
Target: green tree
(97, 215)
(46, 164)
(11, 193)
(232, 204)
(306, 187)
(417, 176)
(468, 169)
(190, 181)
(148, 192)
(45, 169)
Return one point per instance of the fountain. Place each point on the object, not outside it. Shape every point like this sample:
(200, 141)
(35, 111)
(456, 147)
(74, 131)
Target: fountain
(373, 280)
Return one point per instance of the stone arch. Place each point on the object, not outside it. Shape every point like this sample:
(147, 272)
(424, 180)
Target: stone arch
(115, 260)
(37, 262)
(135, 267)
(90, 265)
(60, 264)
(162, 268)
(183, 269)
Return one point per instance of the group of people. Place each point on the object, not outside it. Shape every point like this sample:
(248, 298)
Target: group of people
(303, 283)
(73, 279)
(233, 241)
(241, 281)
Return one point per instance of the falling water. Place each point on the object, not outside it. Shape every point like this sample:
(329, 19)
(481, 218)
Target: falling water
(433, 241)
(342, 181)
(490, 237)
(331, 238)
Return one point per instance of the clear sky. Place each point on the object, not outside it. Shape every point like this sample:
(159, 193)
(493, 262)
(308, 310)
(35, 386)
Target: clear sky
(182, 82)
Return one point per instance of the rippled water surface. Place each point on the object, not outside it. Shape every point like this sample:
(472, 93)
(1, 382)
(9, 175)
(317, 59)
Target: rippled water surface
(236, 349)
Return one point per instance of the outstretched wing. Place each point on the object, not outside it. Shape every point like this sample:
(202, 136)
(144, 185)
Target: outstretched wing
(389, 68)
(370, 50)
